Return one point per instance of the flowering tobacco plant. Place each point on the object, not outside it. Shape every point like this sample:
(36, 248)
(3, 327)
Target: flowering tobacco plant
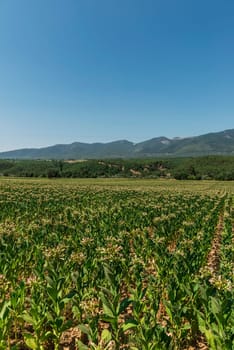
(116, 265)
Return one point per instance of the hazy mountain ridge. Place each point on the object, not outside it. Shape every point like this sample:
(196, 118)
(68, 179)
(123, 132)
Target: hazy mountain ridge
(212, 143)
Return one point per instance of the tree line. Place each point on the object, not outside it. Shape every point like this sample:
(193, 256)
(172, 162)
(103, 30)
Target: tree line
(197, 168)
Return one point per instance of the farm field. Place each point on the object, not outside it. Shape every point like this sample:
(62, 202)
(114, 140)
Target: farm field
(116, 264)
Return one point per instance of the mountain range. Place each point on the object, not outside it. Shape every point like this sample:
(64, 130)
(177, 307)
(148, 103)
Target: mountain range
(208, 144)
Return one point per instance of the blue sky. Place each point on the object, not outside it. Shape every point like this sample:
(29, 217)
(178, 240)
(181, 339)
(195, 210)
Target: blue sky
(102, 70)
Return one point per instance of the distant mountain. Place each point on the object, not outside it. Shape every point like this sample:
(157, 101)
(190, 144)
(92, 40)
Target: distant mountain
(208, 144)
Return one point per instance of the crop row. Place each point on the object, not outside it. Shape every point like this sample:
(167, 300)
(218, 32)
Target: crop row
(113, 269)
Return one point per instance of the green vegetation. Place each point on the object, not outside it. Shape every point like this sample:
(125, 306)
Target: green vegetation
(209, 167)
(116, 264)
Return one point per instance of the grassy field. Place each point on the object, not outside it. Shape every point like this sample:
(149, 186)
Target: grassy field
(116, 264)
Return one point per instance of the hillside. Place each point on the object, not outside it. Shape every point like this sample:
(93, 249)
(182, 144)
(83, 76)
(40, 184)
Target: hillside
(220, 143)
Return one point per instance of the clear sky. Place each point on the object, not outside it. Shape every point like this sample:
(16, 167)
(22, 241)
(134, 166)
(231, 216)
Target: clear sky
(102, 70)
